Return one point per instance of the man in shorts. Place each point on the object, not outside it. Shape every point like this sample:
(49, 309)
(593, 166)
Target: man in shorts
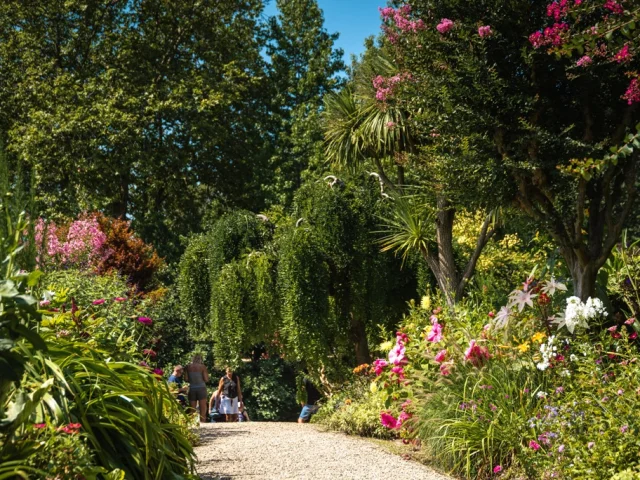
(176, 377)
(310, 407)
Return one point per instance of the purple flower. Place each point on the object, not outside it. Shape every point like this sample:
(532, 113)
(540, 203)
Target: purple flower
(99, 301)
(624, 428)
(145, 320)
(561, 449)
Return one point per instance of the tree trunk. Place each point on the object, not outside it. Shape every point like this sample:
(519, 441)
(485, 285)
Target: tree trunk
(448, 273)
(359, 339)
(583, 275)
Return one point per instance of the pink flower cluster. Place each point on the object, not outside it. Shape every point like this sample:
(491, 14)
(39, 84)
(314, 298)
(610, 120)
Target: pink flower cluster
(385, 86)
(584, 61)
(484, 31)
(392, 422)
(614, 7)
(559, 8)
(444, 26)
(632, 95)
(550, 36)
(400, 18)
(623, 55)
(476, 354)
(83, 244)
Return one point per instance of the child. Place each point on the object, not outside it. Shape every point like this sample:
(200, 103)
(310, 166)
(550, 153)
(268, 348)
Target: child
(214, 408)
(243, 416)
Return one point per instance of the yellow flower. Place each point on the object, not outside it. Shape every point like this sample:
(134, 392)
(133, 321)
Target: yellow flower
(538, 337)
(523, 347)
(426, 302)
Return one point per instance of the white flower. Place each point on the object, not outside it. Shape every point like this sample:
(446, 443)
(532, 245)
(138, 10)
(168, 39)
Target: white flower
(551, 286)
(521, 298)
(543, 365)
(502, 317)
(541, 394)
(578, 314)
(565, 373)
(573, 358)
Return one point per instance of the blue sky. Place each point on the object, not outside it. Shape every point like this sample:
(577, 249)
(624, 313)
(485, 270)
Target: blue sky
(355, 20)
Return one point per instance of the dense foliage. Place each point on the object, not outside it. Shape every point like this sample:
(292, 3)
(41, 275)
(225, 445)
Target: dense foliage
(322, 264)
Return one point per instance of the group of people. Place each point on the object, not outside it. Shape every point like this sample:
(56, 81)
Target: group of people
(226, 402)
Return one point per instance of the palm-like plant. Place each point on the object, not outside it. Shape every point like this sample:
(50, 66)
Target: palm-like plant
(360, 129)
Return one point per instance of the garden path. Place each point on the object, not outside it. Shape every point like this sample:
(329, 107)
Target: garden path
(270, 450)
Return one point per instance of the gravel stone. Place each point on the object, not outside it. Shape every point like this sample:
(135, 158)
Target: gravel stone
(271, 450)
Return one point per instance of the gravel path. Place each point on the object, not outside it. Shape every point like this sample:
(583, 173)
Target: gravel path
(267, 450)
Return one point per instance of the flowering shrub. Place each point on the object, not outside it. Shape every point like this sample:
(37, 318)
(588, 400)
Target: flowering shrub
(99, 244)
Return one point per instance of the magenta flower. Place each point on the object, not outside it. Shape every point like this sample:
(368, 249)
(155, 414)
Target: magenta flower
(402, 338)
(435, 335)
(404, 416)
(476, 354)
(388, 420)
(444, 26)
(497, 469)
(45, 303)
(624, 428)
(379, 365)
(630, 321)
(391, 125)
(632, 95)
(623, 55)
(633, 336)
(120, 299)
(440, 356)
(484, 31)
(39, 425)
(444, 369)
(534, 445)
(614, 7)
(158, 371)
(99, 301)
(399, 371)
(145, 320)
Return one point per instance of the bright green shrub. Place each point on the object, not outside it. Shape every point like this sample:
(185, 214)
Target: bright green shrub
(354, 410)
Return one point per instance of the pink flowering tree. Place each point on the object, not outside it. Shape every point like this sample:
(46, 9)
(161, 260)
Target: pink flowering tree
(552, 134)
(80, 244)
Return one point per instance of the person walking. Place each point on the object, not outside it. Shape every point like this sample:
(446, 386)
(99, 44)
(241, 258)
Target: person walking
(198, 376)
(310, 407)
(230, 395)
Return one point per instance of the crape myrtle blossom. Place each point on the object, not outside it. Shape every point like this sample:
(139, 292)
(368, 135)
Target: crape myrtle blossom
(554, 35)
(399, 18)
(614, 7)
(484, 31)
(385, 87)
(444, 26)
(632, 95)
(584, 61)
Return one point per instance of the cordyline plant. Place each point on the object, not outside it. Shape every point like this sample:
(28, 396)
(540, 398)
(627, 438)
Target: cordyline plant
(509, 122)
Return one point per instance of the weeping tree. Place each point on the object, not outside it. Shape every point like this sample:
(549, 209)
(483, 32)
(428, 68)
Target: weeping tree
(310, 285)
(364, 126)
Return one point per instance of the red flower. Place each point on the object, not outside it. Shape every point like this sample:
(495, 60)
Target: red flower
(148, 351)
(70, 429)
(39, 425)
